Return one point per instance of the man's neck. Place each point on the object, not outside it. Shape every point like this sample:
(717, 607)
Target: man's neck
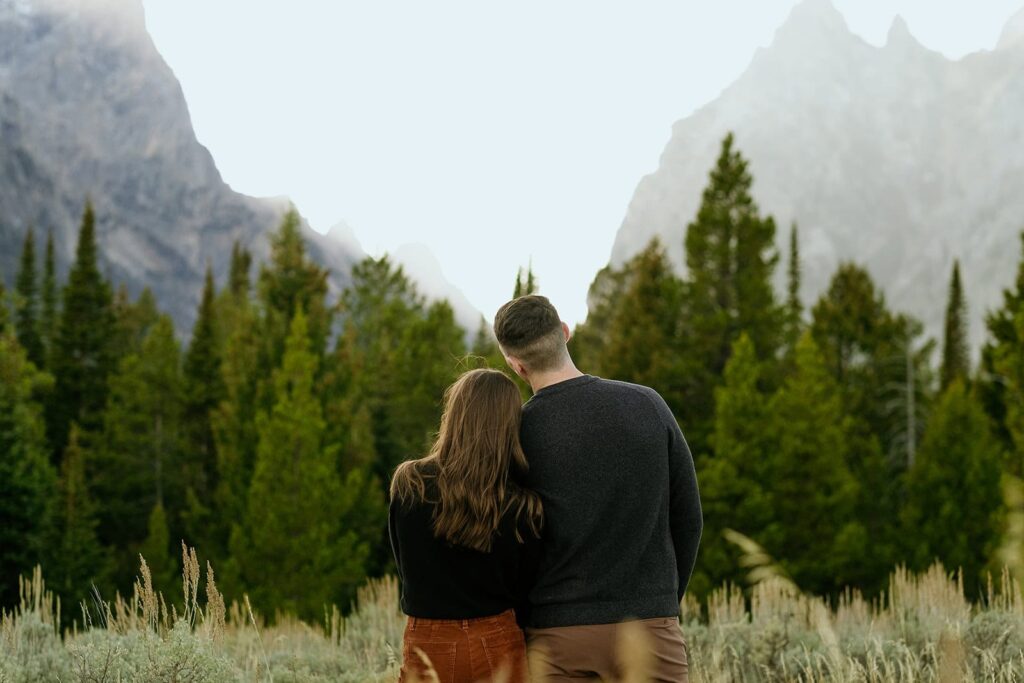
(546, 379)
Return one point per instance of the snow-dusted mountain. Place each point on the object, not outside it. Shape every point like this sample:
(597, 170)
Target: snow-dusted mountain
(88, 107)
(895, 157)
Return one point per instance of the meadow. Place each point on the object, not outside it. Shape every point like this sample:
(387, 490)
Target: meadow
(922, 628)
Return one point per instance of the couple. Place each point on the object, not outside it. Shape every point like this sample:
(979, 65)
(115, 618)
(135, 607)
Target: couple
(570, 515)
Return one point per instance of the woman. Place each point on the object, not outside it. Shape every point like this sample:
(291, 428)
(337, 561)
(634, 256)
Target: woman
(465, 537)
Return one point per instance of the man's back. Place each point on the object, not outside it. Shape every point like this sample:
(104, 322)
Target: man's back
(622, 512)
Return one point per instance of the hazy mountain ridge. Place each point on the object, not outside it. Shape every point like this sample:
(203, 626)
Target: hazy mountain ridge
(88, 107)
(892, 156)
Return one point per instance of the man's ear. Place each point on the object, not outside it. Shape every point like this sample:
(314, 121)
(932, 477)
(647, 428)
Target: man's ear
(567, 332)
(517, 367)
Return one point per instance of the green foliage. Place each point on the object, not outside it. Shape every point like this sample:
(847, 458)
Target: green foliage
(730, 261)
(83, 354)
(26, 304)
(291, 550)
(640, 338)
(813, 493)
(203, 392)
(735, 490)
(794, 307)
(956, 361)
(953, 503)
(156, 550)
(1004, 338)
(27, 479)
(75, 559)
(135, 465)
(1008, 361)
(526, 283)
(49, 304)
(291, 281)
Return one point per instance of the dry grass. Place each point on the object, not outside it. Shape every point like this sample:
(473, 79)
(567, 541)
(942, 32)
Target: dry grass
(921, 629)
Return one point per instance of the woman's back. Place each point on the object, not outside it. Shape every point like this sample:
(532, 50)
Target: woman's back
(441, 580)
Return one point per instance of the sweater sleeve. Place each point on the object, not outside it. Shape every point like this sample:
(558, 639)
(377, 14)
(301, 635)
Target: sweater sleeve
(686, 520)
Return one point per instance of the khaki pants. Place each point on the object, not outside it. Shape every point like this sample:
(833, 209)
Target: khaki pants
(605, 652)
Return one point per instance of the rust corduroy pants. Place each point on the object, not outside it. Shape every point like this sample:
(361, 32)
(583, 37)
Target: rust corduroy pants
(464, 650)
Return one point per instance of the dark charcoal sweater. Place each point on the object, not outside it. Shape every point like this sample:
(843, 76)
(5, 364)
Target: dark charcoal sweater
(622, 512)
(443, 581)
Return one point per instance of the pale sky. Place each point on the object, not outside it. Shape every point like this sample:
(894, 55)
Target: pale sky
(495, 133)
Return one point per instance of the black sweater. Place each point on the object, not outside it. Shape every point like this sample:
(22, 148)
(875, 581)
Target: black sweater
(443, 581)
(622, 514)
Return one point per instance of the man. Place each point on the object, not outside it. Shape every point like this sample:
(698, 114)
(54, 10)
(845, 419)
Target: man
(622, 511)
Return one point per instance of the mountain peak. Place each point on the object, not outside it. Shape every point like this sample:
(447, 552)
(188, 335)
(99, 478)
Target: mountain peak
(812, 23)
(1013, 32)
(899, 34)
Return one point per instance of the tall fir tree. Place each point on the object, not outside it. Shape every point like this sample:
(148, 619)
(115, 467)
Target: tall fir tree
(76, 561)
(82, 355)
(26, 303)
(1008, 363)
(49, 308)
(735, 490)
(954, 502)
(233, 419)
(794, 307)
(290, 550)
(813, 493)
(27, 480)
(730, 260)
(956, 362)
(288, 282)
(203, 391)
(136, 465)
(156, 550)
(1003, 338)
(5, 311)
(641, 337)
(589, 340)
(526, 283)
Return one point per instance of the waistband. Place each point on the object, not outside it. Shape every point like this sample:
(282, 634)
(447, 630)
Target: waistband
(503, 619)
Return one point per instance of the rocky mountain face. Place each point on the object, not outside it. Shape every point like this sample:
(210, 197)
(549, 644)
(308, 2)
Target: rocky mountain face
(89, 108)
(894, 157)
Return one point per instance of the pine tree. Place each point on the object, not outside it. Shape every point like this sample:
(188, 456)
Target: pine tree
(26, 303)
(955, 353)
(289, 282)
(1008, 363)
(82, 357)
(730, 261)
(133, 321)
(526, 283)
(290, 550)
(27, 480)
(954, 503)
(1003, 338)
(734, 483)
(641, 338)
(589, 340)
(203, 392)
(156, 550)
(137, 463)
(77, 560)
(49, 313)
(794, 308)
(5, 311)
(813, 493)
(233, 424)
(238, 273)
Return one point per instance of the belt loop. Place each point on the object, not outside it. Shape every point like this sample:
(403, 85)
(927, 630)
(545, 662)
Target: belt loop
(412, 623)
(465, 624)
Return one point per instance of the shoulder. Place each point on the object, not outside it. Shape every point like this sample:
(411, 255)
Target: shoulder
(641, 394)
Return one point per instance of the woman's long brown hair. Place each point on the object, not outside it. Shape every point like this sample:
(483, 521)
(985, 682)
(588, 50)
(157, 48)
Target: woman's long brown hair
(474, 460)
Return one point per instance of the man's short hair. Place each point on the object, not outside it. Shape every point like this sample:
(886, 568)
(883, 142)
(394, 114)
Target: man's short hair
(529, 329)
